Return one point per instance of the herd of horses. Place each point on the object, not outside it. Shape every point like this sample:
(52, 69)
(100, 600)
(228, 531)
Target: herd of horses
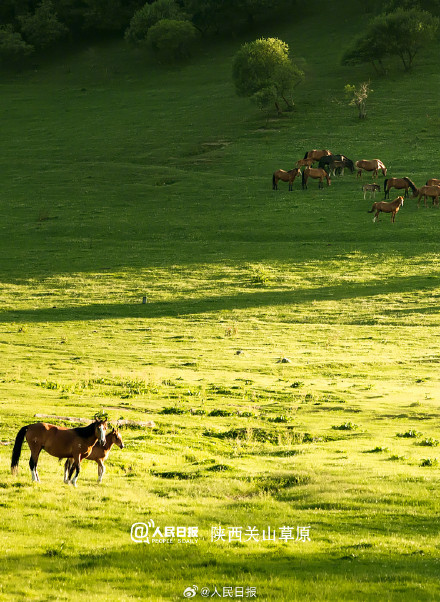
(76, 444)
(330, 164)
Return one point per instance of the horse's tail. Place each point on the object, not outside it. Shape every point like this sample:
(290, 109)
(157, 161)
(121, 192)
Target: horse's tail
(303, 178)
(273, 182)
(411, 185)
(306, 155)
(385, 184)
(373, 208)
(17, 449)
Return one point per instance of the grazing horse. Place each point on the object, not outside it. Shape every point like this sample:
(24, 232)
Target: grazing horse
(58, 441)
(336, 161)
(285, 176)
(371, 188)
(429, 191)
(390, 207)
(316, 155)
(370, 165)
(316, 173)
(99, 453)
(399, 183)
(433, 182)
(305, 162)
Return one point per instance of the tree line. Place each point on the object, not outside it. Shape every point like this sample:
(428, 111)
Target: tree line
(168, 27)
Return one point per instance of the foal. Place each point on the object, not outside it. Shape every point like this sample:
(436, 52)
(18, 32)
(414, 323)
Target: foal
(99, 453)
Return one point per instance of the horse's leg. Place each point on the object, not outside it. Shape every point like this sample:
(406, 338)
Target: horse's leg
(101, 470)
(77, 466)
(67, 467)
(74, 467)
(33, 460)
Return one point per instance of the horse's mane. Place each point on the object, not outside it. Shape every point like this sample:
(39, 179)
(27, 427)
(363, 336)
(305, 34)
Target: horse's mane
(85, 431)
(411, 184)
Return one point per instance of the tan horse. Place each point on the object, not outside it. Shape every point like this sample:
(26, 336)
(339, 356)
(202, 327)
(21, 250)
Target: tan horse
(399, 183)
(390, 207)
(370, 165)
(433, 182)
(371, 189)
(429, 191)
(99, 454)
(316, 173)
(317, 154)
(58, 441)
(305, 162)
(285, 176)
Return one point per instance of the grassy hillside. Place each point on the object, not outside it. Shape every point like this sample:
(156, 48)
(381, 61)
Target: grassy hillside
(121, 180)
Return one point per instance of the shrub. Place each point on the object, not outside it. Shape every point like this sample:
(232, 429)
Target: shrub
(149, 15)
(43, 27)
(12, 46)
(172, 40)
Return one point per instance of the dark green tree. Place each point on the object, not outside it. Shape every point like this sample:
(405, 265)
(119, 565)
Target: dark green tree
(42, 28)
(172, 40)
(149, 15)
(402, 33)
(12, 46)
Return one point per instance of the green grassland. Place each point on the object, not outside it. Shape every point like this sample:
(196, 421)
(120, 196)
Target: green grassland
(122, 179)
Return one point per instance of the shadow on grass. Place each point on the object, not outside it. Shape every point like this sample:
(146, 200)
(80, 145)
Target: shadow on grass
(163, 572)
(241, 300)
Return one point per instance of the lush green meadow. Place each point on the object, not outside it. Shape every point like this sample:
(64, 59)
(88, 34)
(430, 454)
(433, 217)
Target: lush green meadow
(287, 353)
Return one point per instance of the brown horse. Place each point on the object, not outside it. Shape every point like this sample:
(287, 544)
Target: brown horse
(433, 182)
(390, 207)
(285, 176)
(99, 454)
(399, 183)
(370, 165)
(316, 173)
(305, 162)
(429, 191)
(317, 154)
(58, 441)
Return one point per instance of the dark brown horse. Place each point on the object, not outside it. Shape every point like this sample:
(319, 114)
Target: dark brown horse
(317, 154)
(390, 207)
(58, 441)
(399, 183)
(285, 176)
(99, 454)
(370, 165)
(432, 192)
(317, 173)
